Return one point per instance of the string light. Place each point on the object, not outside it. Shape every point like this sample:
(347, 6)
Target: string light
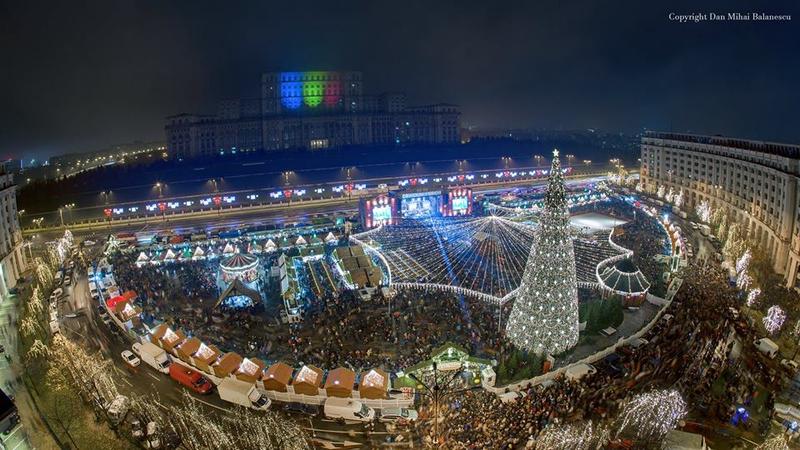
(703, 211)
(650, 416)
(774, 319)
(544, 318)
(582, 436)
(752, 297)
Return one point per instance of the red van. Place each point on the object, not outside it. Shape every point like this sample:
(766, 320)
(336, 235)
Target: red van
(190, 378)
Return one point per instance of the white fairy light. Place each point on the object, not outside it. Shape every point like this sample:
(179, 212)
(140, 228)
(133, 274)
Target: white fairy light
(584, 436)
(544, 318)
(774, 319)
(744, 262)
(703, 211)
(743, 281)
(661, 191)
(652, 415)
(752, 297)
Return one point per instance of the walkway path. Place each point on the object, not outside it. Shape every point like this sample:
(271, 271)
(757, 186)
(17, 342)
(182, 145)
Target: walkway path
(31, 432)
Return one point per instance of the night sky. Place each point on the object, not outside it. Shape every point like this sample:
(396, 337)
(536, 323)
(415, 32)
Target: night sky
(78, 76)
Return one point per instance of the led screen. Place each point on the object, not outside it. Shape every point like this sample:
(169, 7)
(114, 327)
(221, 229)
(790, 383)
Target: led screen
(460, 204)
(381, 214)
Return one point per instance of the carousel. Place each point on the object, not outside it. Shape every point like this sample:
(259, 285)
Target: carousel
(239, 266)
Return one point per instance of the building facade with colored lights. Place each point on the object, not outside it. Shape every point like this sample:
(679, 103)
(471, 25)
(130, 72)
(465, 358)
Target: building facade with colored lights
(315, 110)
(756, 181)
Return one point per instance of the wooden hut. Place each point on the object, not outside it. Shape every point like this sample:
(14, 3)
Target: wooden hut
(205, 356)
(227, 364)
(164, 337)
(307, 380)
(250, 370)
(277, 377)
(340, 382)
(374, 384)
(187, 349)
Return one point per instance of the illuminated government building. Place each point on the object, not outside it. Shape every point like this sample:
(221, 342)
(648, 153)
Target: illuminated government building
(757, 181)
(311, 110)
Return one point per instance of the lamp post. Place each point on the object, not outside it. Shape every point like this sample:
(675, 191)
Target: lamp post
(437, 392)
(61, 212)
(160, 187)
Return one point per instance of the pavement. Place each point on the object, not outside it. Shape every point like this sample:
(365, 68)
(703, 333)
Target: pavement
(31, 432)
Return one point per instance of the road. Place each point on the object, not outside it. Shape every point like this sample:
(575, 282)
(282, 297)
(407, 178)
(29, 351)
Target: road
(279, 215)
(94, 334)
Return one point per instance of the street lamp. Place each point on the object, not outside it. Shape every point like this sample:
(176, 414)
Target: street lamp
(160, 187)
(438, 391)
(61, 211)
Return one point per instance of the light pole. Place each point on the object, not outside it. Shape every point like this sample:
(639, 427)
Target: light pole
(61, 212)
(160, 188)
(437, 392)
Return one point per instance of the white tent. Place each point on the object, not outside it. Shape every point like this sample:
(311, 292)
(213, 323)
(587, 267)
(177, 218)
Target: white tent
(330, 238)
(199, 253)
(169, 256)
(143, 258)
(300, 241)
(270, 246)
(228, 249)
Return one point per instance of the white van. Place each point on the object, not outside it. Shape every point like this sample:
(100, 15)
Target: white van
(93, 290)
(348, 409)
(787, 412)
(578, 371)
(767, 347)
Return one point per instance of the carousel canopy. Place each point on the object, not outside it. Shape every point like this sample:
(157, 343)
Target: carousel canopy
(624, 278)
(238, 262)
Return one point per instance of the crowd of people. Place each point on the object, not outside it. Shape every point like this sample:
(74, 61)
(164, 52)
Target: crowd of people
(687, 348)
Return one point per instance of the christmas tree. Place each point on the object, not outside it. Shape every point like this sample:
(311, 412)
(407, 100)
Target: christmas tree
(545, 314)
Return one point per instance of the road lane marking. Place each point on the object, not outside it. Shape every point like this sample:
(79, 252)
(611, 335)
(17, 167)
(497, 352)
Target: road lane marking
(209, 404)
(154, 377)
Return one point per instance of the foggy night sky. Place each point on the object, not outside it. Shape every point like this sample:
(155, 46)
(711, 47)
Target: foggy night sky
(78, 76)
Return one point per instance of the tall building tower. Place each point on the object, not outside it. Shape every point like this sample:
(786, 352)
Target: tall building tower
(545, 314)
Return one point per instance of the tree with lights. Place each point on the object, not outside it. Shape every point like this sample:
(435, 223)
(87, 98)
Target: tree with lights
(703, 211)
(580, 436)
(544, 318)
(774, 319)
(752, 297)
(735, 244)
(652, 415)
(660, 192)
(679, 199)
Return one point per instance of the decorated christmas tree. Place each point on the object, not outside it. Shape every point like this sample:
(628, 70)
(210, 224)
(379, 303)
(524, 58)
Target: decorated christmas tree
(545, 314)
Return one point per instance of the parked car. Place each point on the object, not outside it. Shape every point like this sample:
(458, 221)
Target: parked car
(301, 408)
(398, 415)
(348, 409)
(790, 364)
(130, 359)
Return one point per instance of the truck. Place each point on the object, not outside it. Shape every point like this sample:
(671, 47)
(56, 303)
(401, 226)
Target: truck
(190, 378)
(152, 355)
(348, 409)
(767, 347)
(243, 393)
